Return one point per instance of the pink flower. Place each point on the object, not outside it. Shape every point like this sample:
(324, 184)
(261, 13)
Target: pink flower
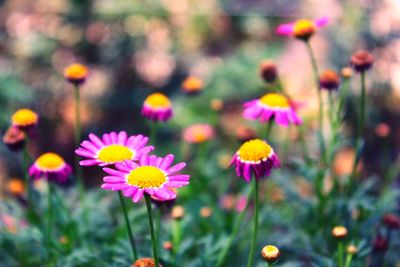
(302, 28)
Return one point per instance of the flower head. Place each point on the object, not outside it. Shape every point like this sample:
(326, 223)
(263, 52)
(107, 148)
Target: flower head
(192, 85)
(329, 80)
(112, 148)
(198, 133)
(339, 231)
(151, 175)
(178, 212)
(145, 262)
(24, 119)
(255, 157)
(271, 106)
(361, 60)
(14, 138)
(268, 71)
(270, 253)
(391, 221)
(347, 72)
(76, 73)
(351, 249)
(157, 107)
(16, 187)
(302, 29)
(50, 166)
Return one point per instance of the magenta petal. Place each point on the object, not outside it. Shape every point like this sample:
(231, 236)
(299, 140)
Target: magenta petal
(137, 196)
(176, 168)
(88, 162)
(285, 29)
(322, 21)
(96, 140)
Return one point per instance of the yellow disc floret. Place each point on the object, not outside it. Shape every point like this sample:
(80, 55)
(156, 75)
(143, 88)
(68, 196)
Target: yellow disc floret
(146, 177)
(50, 161)
(115, 153)
(273, 100)
(304, 28)
(24, 117)
(157, 100)
(76, 72)
(254, 150)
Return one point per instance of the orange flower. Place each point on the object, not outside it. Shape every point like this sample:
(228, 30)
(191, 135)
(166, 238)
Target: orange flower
(192, 85)
(16, 187)
(76, 73)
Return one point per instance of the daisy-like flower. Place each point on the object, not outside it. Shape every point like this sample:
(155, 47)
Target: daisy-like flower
(112, 148)
(198, 133)
(255, 157)
(192, 85)
(50, 166)
(152, 175)
(271, 106)
(157, 107)
(24, 119)
(76, 73)
(303, 28)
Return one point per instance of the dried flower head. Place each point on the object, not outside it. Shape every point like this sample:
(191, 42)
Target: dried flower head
(14, 138)
(270, 253)
(268, 71)
(391, 221)
(145, 262)
(339, 231)
(192, 85)
(76, 74)
(329, 80)
(178, 212)
(361, 60)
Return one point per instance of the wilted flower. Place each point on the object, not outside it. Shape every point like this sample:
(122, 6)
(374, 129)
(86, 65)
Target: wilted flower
(24, 119)
(157, 107)
(270, 253)
(16, 187)
(302, 29)
(152, 175)
(255, 157)
(339, 231)
(268, 71)
(178, 212)
(391, 221)
(51, 167)
(145, 262)
(352, 249)
(361, 60)
(14, 138)
(329, 80)
(198, 133)
(76, 74)
(271, 106)
(112, 148)
(192, 85)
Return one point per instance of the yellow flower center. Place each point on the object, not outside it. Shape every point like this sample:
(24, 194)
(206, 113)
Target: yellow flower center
(76, 71)
(115, 153)
(304, 28)
(275, 100)
(270, 251)
(50, 161)
(24, 117)
(146, 177)
(157, 100)
(254, 150)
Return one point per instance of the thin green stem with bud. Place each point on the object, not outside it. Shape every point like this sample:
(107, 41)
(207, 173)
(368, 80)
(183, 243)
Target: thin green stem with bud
(77, 137)
(348, 260)
(340, 253)
(250, 261)
(152, 233)
(128, 226)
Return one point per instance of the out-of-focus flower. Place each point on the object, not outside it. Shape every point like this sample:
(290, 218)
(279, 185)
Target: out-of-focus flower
(255, 157)
(178, 212)
(198, 133)
(51, 167)
(192, 85)
(271, 106)
(268, 71)
(347, 72)
(112, 148)
(16, 187)
(76, 74)
(380, 243)
(157, 107)
(270, 253)
(343, 162)
(241, 203)
(382, 130)
(352, 249)
(391, 221)
(339, 231)
(361, 60)
(145, 262)
(205, 212)
(216, 104)
(24, 119)
(167, 245)
(329, 80)
(227, 202)
(63, 240)
(152, 175)
(302, 29)
(245, 133)
(11, 223)
(14, 138)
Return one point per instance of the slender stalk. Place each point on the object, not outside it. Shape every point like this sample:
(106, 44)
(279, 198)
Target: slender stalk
(176, 239)
(270, 264)
(331, 110)
(153, 236)
(153, 132)
(250, 261)
(303, 144)
(49, 221)
(128, 226)
(340, 254)
(321, 105)
(77, 137)
(25, 166)
(268, 129)
(348, 260)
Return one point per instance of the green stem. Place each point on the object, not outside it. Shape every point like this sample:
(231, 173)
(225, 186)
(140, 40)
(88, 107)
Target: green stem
(176, 239)
(321, 107)
(128, 226)
(268, 129)
(77, 137)
(50, 220)
(303, 144)
(270, 264)
(25, 166)
(250, 261)
(153, 132)
(153, 236)
(348, 260)
(340, 254)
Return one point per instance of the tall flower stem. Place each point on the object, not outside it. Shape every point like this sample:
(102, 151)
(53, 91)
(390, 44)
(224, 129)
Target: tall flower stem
(77, 137)
(153, 236)
(26, 159)
(128, 226)
(176, 239)
(340, 254)
(320, 104)
(348, 260)
(49, 221)
(361, 124)
(153, 132)
(250, 261)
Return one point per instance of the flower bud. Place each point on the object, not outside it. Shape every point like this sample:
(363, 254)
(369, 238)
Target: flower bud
(216, 104)
(167, 245)
(347, 72)
(76, 74)
(329, 80)
(14, 138)
(361, 61)
(352, 249)
(178, 212)
(268, 71)
(270, 253)
(192, 85)
(16, 187)
(205, 212)
(339, 232)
